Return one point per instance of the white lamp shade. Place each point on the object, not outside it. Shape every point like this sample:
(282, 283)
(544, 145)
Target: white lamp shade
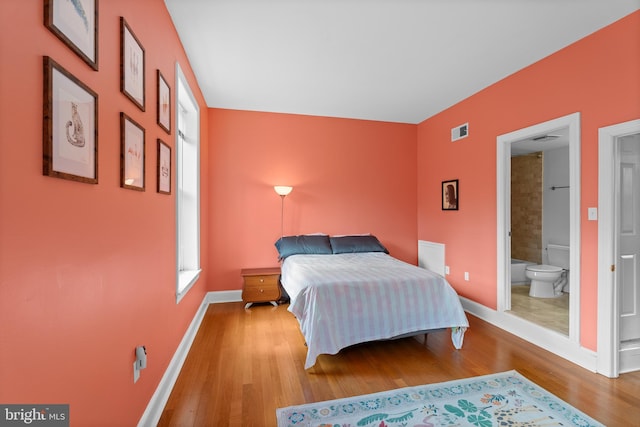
(283, 190)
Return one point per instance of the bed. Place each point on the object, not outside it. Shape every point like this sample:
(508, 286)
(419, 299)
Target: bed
(348, 290)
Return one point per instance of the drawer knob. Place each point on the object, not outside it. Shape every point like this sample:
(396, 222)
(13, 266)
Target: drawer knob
(261, 280)
(261, 290)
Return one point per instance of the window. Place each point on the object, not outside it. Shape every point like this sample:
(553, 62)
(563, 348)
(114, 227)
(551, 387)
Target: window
(188, 187)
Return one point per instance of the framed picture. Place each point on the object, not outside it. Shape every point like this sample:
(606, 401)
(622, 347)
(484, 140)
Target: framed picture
(131, 154)
(164, 103)
(131, 65)
(164, 168)
(450, 195)
(70, 126)
(76, 24)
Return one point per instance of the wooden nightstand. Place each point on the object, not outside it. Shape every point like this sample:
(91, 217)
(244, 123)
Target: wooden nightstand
(261, 285)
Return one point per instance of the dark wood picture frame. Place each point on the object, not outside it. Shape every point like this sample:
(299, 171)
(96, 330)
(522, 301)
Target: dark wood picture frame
(70, 126)
(76, 24)
(164, 103)
(450, 195)
(132, 65)
(132, 154)
(164, 168)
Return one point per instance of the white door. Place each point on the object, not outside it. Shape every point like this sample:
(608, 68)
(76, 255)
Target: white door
(628, 256)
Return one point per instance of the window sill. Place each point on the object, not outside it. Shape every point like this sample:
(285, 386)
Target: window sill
(186, 279)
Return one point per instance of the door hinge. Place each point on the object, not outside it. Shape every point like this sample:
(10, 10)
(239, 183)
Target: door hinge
(613, 267)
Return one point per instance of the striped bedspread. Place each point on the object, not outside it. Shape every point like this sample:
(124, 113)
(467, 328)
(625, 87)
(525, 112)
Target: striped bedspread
(345, 299)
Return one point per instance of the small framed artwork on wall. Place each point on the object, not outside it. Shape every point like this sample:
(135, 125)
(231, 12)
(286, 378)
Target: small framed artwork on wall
(164, 103)
(70, 121)
(76, 24)
(164, 168)
(131, 65)
(450, 195)
(131, 154)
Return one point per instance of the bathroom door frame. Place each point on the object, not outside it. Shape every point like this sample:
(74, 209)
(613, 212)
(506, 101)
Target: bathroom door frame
(608, 361)
(562, 345)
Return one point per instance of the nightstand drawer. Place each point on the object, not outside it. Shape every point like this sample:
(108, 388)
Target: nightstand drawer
(267, 281)
(260, 292)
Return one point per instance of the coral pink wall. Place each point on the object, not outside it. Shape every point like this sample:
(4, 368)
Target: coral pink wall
(598, 77)
(87, 272)
(349, 176)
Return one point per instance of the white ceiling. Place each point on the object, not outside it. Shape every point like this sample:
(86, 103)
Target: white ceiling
(387, 60)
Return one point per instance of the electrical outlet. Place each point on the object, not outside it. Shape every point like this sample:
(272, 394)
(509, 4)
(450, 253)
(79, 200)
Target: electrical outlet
(140, 362)
(446, 269)
(136, 372)
(466, 276)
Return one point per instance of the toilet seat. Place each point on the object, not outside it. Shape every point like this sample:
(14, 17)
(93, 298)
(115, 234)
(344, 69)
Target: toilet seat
(543, 268)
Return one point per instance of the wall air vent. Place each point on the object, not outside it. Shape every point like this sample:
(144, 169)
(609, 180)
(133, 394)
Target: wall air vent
(460, 132)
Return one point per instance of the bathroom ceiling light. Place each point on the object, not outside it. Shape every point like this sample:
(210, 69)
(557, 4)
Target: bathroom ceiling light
(543, 138)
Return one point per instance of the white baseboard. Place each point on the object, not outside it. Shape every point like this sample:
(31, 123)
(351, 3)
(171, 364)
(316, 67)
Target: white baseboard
(224, 296)
(547, 339)
(156, 405)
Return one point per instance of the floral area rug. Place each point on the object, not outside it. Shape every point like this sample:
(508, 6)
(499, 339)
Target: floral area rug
(504, 399)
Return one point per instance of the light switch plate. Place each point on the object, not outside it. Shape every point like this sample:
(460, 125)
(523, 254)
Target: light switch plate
(592, 214)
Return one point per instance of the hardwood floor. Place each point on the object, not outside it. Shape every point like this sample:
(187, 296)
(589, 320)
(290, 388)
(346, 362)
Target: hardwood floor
(244, 364)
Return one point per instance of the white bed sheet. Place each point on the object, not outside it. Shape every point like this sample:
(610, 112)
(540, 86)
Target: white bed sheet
(345, 299)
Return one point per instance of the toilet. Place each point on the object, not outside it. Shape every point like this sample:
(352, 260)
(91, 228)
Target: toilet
(548, 281)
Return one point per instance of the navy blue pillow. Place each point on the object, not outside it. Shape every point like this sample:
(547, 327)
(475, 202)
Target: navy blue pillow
(354, 244)
(303, 244)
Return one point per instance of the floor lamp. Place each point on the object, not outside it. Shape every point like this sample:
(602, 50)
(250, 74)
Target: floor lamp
(283, 191)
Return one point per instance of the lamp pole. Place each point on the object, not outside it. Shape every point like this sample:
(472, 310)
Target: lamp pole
(282, 196)
(283, 191)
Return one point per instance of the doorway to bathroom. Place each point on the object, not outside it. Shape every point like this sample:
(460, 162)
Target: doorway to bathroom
(527, 231)
(540, 209)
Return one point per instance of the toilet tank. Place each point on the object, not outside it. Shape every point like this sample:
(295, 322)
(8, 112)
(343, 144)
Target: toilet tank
(558, 255)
